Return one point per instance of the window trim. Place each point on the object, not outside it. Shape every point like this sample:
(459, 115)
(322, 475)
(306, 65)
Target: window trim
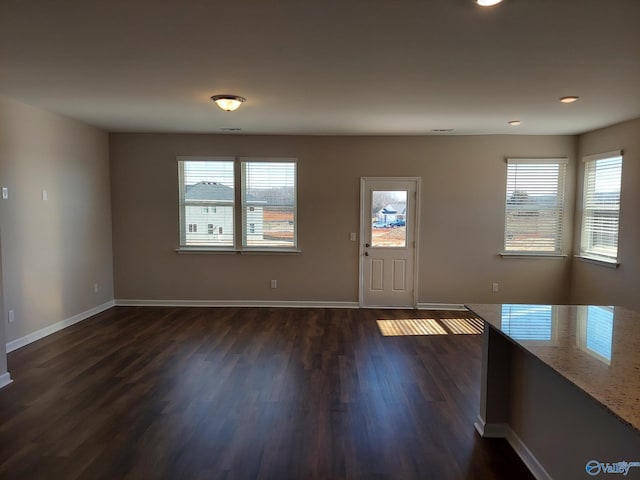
(522, 254)
(238, 211)
(587, 256)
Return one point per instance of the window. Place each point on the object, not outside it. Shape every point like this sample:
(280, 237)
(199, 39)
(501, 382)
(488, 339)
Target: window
(266, 203)
(601, 206)
(269, 204)
(534, 206)
(388, 218)
(205, 184)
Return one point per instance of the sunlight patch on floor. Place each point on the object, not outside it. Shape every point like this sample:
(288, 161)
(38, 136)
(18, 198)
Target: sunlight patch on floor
(430, 326)
(415, 326)
(463, 326)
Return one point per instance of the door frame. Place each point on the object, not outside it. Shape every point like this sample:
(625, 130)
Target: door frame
(363, 228)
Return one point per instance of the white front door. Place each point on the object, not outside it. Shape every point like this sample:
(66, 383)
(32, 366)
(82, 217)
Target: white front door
(388, 229)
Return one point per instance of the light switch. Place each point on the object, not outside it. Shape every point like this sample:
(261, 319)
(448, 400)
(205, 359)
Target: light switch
(5, 193)
(45, 195)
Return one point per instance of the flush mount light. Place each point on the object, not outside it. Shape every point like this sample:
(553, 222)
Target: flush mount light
(228, 103)
(487, 3)
(514, 123)
(569, 99)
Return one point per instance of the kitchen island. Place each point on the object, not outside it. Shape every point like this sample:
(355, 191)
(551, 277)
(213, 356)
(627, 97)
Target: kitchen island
(562, 384)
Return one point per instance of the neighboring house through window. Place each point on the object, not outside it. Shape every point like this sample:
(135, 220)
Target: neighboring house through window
(207, 190)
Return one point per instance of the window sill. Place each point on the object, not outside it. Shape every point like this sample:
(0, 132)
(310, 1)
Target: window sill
(206, 250)
(531, 255)
(234, 251)
(598, 261)
(266, 251)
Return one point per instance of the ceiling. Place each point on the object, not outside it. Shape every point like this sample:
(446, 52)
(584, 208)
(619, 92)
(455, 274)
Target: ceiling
(345, 67)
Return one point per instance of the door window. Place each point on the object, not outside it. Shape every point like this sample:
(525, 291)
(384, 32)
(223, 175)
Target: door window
(389, 218)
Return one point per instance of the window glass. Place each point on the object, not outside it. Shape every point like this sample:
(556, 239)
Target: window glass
(388, 218)
(534, 206)
(207, 202)
(208, 207)
(601, 207)
(269, 204)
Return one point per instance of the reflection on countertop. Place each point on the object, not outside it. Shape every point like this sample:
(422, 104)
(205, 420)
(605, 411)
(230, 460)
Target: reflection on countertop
(595, 347)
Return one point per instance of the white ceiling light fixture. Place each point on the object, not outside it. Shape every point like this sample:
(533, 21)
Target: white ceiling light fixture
(228, 103)
(569, 99)
(487, 3)
(515, 123)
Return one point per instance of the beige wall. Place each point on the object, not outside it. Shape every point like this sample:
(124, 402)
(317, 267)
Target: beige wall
(462, 219)
(597, 284)
(54, 251)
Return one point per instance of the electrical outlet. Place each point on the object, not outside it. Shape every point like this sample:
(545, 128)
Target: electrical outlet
(5, 193)
(274, 284)
(95, 288)
(495, 287)
(353, 236)
(45, 195)
(11, 316)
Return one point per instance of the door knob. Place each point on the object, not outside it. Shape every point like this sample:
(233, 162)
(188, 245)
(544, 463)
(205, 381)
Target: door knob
(367, 245)
(366, 254)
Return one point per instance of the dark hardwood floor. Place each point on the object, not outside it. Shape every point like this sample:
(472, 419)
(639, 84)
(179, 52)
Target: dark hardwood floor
(244, 393)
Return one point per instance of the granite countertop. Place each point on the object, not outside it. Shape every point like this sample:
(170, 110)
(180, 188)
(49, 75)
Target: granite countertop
(597, 348)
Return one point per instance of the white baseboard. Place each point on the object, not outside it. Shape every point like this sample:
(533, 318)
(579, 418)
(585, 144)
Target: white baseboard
(491, 430)
(232, 303)
(442, 306)
(126, 302)
(528, 458)
(56, 327)
(5, 379)
(502, 430)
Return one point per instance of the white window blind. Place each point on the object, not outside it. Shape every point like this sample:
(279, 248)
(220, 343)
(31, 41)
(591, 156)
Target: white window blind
(534, 206)
(207, 202)
(601, 206)
(528, 322)
(269, 209)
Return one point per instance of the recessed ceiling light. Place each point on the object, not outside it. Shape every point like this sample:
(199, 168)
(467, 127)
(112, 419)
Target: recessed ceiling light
(228, 103)
(514, 123)
(487, 3)
(569, 99)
